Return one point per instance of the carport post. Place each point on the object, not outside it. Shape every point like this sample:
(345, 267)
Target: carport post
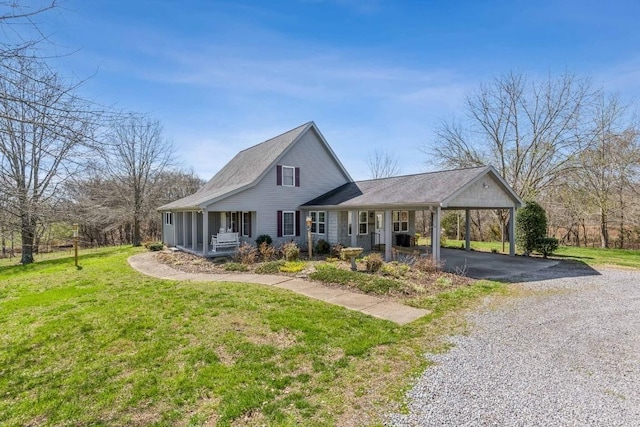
(435, 236)
(467, 230)
(388, 242)
(512, 231)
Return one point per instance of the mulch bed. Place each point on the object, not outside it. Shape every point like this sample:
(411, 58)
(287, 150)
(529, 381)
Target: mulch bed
(416, 283)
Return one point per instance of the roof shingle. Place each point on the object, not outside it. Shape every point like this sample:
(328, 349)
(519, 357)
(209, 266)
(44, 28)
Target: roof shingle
(242, 171)
(431, 188)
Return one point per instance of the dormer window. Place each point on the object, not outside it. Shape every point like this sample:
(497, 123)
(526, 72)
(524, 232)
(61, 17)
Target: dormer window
(287, 176)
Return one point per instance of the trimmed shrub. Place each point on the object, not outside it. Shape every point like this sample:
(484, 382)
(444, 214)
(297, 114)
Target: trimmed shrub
(290, 251)
(322, 247)
(267, 252)
(235, 266)
(531, 225)
(246, 254)
(374, 262)
(263, 238)
(271, 267)
(155, 246)
(395, 269)
(546, 246)
(293, 266)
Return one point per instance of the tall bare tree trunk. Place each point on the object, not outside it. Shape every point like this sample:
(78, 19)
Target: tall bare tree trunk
(28, 229)
(604, 232)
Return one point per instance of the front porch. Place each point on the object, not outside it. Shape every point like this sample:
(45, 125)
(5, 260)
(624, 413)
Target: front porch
(193, 230)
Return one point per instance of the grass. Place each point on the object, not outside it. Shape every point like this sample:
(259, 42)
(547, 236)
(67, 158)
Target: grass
(368, 283)
(104, 345)
(599, 256)
(591, 256)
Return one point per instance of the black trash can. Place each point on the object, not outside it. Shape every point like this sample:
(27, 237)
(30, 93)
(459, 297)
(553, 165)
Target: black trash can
(403, 240)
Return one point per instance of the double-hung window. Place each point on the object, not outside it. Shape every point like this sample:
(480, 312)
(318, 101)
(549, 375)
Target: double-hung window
(363, 222)
(168, 218)
(362, 225)
(288, 224)
(318, 222)
(401, 221)
(232, 222)
(246, 224)
(287, 176)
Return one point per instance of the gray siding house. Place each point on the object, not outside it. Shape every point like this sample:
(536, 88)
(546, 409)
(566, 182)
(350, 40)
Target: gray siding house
(272, 187)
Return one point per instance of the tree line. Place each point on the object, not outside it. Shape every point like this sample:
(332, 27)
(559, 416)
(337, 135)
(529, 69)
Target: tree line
(557, 140)
(65, 159)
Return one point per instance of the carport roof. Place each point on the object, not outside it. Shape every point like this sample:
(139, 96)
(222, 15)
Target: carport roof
(425, 189)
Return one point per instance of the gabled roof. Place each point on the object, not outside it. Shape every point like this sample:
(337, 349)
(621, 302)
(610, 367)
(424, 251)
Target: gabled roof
(247, 168)
(425, 189)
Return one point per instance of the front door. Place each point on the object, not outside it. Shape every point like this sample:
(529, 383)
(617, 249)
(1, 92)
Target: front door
(379, 228)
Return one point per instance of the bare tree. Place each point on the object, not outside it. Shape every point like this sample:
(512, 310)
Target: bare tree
(528, 129)
(95, 202)
(20, 30)
(44, 129)
(382, 164)
(610, 161)
(137, 155)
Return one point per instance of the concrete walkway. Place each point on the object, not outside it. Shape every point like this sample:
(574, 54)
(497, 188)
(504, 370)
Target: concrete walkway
(146, 263)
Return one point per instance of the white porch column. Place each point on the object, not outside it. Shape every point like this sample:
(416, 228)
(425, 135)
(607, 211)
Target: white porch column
(467, 230)
(205, 231)
(388, 241)
(184, 228)
(354, 228)
(194, 230)
(175, 228)
(435, 238)
(512, 231)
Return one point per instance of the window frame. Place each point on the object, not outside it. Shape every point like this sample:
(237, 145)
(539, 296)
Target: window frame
(230, 223)
(245, 229)
(316, 223)
(365, 222)
(168, 218)
(293, 176)
(293, 223)
(399, 222)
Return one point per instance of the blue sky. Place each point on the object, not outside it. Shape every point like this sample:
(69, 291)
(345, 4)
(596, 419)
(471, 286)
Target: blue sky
(373, 74)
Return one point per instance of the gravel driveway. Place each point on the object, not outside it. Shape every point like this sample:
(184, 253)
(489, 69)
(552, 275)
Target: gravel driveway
(567, 353)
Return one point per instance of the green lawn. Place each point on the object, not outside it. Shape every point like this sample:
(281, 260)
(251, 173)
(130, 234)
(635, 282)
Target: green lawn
(104, 345)
(591, 256)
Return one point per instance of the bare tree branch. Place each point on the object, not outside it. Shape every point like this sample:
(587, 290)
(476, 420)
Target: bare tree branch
(382, 164)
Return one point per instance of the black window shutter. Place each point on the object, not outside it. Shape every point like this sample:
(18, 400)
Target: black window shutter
(297, 177)
(279, 175)
(297, 223)
(279, 223)
(249, 231)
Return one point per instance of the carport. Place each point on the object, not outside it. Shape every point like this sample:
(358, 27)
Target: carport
(461, 189)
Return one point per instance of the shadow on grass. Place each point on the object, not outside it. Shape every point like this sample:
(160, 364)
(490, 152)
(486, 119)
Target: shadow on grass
(570, 257)
(37, 264)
